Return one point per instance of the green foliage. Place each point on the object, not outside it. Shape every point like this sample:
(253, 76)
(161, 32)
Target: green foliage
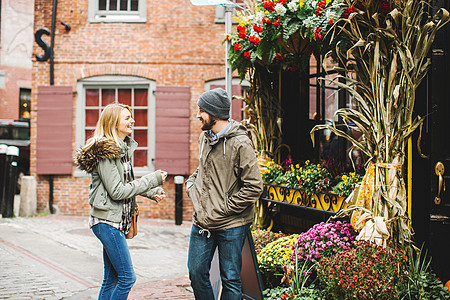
(347, 183)
(273, 173)
(311, 177)
(275, 293)
(422, 282)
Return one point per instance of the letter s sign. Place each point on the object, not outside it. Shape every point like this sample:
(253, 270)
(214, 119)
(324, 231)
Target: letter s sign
(42, 44)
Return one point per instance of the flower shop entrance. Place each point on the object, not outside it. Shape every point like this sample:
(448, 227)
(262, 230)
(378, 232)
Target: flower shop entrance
(305, 101)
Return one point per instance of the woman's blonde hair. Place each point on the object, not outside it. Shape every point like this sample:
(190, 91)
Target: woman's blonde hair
(108, 122)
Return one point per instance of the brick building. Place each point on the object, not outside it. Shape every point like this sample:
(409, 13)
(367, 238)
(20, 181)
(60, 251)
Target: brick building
(156, 56)
(16, 43)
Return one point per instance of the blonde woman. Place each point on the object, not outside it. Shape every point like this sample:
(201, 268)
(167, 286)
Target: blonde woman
(106, 156)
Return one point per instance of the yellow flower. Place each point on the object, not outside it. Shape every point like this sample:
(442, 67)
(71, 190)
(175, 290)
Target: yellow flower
(328, 1)
(318, 165)
(302, 2)
(297, 166)
(292, 167)
(241, 18)
(306, 162)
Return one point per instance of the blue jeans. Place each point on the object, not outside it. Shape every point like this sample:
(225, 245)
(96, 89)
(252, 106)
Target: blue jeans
(119, 275)
(201, 252)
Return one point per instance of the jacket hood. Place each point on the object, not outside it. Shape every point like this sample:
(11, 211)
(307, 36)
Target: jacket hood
(236, 129)
(87, 157)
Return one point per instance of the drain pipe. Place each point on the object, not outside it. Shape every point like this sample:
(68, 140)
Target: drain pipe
(52, 82)
(52, 43)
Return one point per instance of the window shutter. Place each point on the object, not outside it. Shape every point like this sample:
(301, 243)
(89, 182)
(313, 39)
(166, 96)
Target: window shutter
(54, 130)
(172, 129)
(236, 106)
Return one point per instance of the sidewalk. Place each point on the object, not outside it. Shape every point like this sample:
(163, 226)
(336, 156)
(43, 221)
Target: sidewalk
(58, 257)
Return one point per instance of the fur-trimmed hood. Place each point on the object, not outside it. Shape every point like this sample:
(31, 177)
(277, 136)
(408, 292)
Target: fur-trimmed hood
(87, 157)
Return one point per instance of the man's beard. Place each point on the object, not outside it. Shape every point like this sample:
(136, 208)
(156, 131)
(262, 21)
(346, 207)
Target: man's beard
(208, 124)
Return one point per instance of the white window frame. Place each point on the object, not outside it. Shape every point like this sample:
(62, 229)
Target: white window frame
(95, 15)
(118, 81)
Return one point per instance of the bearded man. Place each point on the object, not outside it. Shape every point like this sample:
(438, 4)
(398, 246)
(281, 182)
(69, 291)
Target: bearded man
(223, 191)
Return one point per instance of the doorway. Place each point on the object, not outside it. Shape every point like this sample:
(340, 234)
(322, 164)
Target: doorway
(431, 175)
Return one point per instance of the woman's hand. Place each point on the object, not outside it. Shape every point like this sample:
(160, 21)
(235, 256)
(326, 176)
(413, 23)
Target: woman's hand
(163, 174)
(160, 197)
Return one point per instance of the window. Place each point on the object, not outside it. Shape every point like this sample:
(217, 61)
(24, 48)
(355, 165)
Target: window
(117, 11)
(95, 93)
(24, 103)
(323, 96)
(324, 100)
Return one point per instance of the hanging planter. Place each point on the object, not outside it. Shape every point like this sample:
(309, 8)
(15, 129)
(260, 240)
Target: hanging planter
(296, 44)
(280, 33)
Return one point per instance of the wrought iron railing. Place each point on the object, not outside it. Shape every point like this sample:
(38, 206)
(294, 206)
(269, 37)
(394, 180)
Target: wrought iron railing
(323, 201)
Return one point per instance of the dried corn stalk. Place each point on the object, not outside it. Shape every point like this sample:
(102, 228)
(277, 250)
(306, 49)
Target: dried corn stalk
(383, 64)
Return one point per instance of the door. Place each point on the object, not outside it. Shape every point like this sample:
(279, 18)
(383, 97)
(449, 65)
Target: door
(439, 219)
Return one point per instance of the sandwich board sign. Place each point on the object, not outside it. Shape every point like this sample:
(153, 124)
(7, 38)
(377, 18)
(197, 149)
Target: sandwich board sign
(250, 277)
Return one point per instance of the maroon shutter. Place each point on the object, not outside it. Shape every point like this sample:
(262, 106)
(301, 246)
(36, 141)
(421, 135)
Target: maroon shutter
(172, 129)
(236, 107)
(54, 130)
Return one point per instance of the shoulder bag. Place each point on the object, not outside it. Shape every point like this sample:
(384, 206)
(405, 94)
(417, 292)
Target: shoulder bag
(132, 232)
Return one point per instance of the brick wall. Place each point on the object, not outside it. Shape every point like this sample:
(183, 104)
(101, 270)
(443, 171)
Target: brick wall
(179, 45)
(15, 54)
(15, 79)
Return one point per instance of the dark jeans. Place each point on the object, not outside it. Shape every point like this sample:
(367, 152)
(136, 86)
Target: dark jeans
(119, 275)
(201, 251)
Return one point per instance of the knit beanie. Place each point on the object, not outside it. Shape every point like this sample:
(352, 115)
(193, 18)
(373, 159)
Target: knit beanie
(216, 103)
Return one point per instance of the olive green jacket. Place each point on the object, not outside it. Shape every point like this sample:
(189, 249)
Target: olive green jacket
(109, 188)
(227, 182)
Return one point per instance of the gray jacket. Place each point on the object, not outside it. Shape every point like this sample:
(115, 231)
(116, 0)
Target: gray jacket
(227, 182)
(108, 188)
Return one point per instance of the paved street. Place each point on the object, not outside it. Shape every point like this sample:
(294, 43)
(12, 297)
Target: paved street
(58, 257)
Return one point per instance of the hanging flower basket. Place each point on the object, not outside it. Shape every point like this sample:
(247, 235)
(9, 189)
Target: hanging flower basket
(296, 44)
(280, 33)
